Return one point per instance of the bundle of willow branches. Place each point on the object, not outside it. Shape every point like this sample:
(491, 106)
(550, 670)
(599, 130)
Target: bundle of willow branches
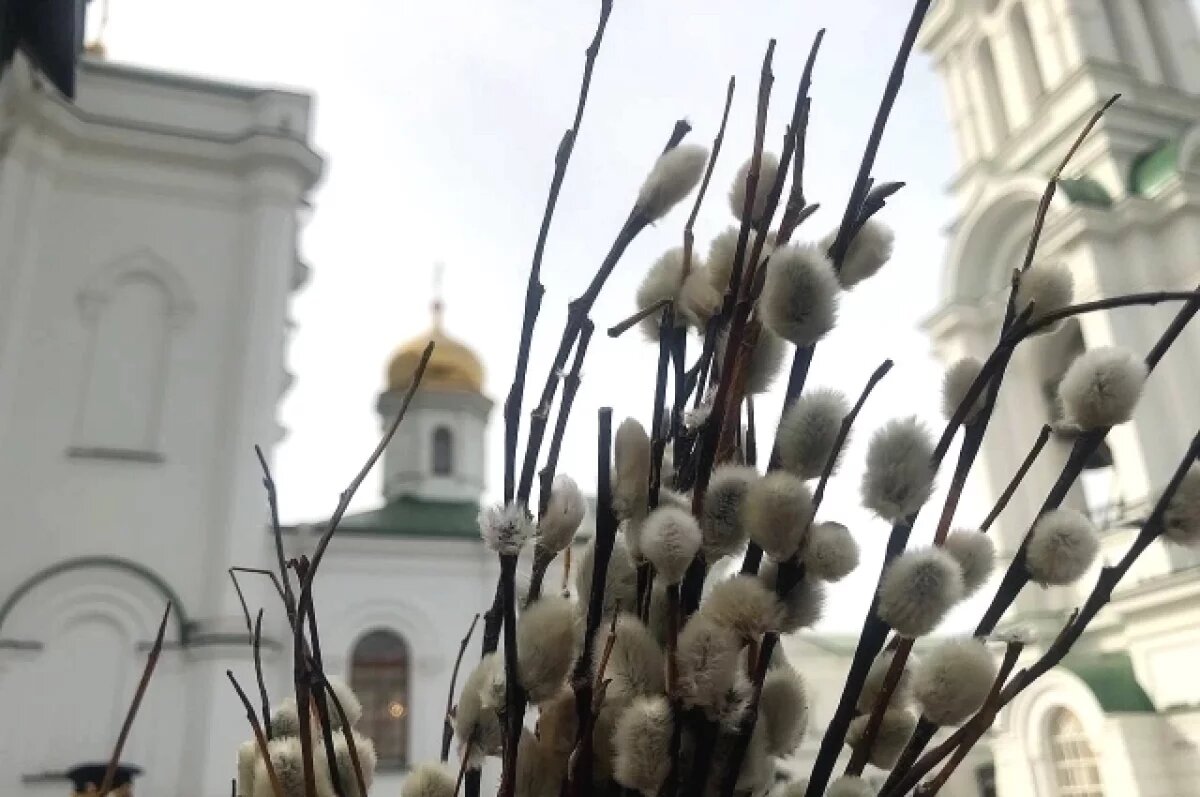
(660, 675)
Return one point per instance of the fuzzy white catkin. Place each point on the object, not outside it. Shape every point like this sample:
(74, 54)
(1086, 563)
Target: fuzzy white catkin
(349, 701)
(694, 296)
(808, 431)
(367, 760)
(777, 512)
(505, 528)
(975, 554)
(784, 706)
(767, 169)
(247, 757)
(799, 300)
(675, 174)
(476, 719)
(829, 552)
(952, 680)
(707, 654)
(723, 250)
(643, 745)
(803, 604)
(797, 788)
(284, 719)
(287, 760)
(1049, 286)
(564, 512)
(631, 470)
(1181, 521)
(558, 722)
(721, 513)
(1102, 387)
(895, 728)
(873, 685)
(636, 665)
(1062, 547)
(849, 786)
(670, 540)
(957, 383)
(540, 770)
(900, 473)
(546, 646)
(918, 589)
(868, 251)
(743, 605)
(429, 780)
(766, 358)
(620, 583)
(734, 703)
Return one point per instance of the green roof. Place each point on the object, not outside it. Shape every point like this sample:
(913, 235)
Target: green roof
(1111, 678)
(1153, 168)
(1085, 191)
(417, 517)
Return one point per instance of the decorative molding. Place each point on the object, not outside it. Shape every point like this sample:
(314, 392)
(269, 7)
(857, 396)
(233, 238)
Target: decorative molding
(115, 454)
(100, 287)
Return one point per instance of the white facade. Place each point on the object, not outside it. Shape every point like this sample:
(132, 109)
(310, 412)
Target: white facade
(148, 248)
(1022, 76)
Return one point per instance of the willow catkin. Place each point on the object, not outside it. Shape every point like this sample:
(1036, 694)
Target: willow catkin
(869, 250)
(1102, 387)
(642, 742)
(900, 473)
(505, 528)
(767, 169)
(777, 511)
(620, 583)
(808, 431)
(636, 664)
(829, 551)
(247, 757)
(952, 680)
(849, 786)
(670, 540)
(546, 637)
(1062, 547)
(540, 770)
(743, 605)
(1181, 520)
(707, 657)
(284, 719)
(288, 761)
(367, 761)
(631, 470)
(564, 513)
(783, 710)
(803, 604)
(721, 527)
(476, 721)
(429, 780)
(722, 251)
(558, 721)
(895, 728)
(348, 700)
(675, 174)
(918, 589)
(764, 362)
(695, 298)
(957, 384)
(975, 554)
(799, 301)
(873, 685)
(1049, 287)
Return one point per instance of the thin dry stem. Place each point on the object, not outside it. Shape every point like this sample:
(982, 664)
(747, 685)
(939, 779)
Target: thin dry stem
(263, 749)
(448, 727)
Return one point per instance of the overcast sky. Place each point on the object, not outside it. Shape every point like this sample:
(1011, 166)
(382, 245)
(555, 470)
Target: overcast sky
(439, 122)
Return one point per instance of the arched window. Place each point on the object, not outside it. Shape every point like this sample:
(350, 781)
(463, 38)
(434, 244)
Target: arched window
(1027, 56)
(993, 95)
(1076, 769)
(379, 676)
(443, 452)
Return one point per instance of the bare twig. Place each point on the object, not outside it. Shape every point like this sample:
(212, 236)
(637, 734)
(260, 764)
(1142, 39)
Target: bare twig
(689, 238)
(844, 431)
(289, 597)
(242, 600)
(891, 679)
(258, 676)
(1018, 477)
(658, 423)
(258, 571)
(263, 750)
(448, 728)
(139, 693)
(535, 289)
(514, 692)
(621, 327)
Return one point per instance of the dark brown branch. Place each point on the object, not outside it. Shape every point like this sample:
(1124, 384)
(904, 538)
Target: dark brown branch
(689, 238)
(258, 571)
(844, 431)
(797, 208)
(658, 424)
(514, 693)
(535, 290)
(263, 750)
(448, 726)
(891, 680)
(258, 676)
(316, 671)
(151, 662)
(285, 587)
(621, 327)
(1018, 477)
(351, 745)
(242, 600)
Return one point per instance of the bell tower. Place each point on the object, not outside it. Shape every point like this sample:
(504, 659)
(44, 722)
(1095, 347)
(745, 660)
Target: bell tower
(1021, 78)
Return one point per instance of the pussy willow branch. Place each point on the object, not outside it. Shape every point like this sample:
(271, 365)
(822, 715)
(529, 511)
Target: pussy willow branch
(689, 238)
(535, 290)
(542, 557)
(304, 601)
(580, 781)
(151, 662)
(843, 433)
(258, 571)
(316, 674)
(258, 676)
(514, 692)
(242, 600)
(448, 725)
(264, 751)
(621, 327)
(891, 680)
(658, 424)
(1006, 496)
(285, 587)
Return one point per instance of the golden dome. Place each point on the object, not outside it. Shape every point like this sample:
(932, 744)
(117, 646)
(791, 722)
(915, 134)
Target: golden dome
(452, 366)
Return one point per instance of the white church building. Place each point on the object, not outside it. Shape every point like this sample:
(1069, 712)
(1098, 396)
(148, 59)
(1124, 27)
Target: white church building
(148, 250)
